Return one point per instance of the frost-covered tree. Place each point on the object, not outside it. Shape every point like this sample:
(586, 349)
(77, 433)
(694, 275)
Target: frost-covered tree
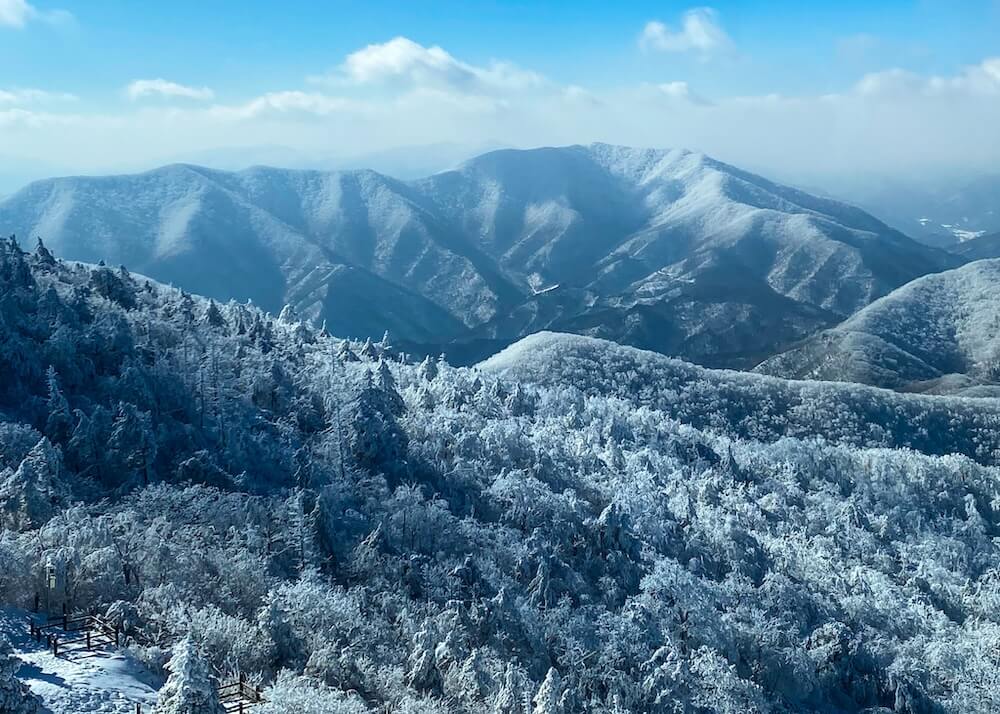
(551, 697)
(59, 422)
(423, 673)
(428, 369)
(377, 440)
(15, 697)
(34, 493)
(189, 688)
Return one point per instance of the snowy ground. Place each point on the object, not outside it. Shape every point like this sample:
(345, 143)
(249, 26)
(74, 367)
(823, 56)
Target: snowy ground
(108, 682)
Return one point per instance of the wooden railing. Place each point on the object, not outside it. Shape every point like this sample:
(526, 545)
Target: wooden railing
(65, 634)
(239, 696)
(75, 633)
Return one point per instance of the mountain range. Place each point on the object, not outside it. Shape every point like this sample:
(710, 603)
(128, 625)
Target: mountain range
(667, 250)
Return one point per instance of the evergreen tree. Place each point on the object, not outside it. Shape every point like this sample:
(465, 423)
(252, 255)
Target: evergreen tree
(428, 369)
(35, 492)
(59, 423)
(43, 255)
(377, 441)
(390, 392)
(213, 315)
(423, 674)
(132, 444)
(288, 315)
(189, 688)
(551, 697)
(511, 699)
(345, 354)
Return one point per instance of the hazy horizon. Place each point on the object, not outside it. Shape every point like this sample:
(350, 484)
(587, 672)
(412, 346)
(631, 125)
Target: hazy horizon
(885, 91)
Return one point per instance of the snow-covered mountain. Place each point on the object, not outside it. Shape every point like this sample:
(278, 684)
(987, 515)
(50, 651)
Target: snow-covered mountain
(980, 248)
(668, 250)
(940, 332)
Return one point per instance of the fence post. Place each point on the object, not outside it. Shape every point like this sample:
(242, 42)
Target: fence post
(117, 628)
(55, 646)
(88, 639)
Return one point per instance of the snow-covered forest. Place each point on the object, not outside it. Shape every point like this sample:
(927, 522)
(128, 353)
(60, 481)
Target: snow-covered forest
(571, 527)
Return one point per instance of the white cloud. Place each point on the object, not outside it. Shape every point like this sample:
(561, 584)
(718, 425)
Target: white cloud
(982, 79)
(162, 88)
(33, 96)
(288, 102)
(403, 62)
(700, 32)
(680, 91)
(18, 13)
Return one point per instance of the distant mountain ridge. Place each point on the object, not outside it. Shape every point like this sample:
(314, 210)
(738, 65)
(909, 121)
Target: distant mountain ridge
(939, 333)
(663, 249)
(979, 248)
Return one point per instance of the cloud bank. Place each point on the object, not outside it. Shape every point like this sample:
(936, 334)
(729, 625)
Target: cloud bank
(402, 93)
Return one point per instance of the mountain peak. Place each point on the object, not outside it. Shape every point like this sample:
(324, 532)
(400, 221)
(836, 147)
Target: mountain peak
(666, 249)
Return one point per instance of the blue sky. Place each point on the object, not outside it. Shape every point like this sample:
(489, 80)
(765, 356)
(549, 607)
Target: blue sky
(98, 84)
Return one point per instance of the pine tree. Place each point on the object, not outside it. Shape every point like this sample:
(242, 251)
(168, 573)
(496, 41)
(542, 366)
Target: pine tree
(377, 441)
(35, 492)
(390, 392)
(345, 353)
(288, 315)
(132, 443)
(15, 697)
(511, 698)
(213, 316)
(428, 369)
(423, 674)
(550, 698)
(43, 255)
(189, 688)
(59, 424)
(473, 679)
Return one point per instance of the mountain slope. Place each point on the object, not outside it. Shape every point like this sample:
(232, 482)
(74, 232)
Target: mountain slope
(979, 248)
(663, 249)
(936, 326)
(747, 405)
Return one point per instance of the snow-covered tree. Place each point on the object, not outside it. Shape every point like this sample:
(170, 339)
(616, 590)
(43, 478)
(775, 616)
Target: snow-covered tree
(551, 697)
(59, 423)
(34, 493)
(377, 441)
(189, 688)
(15, 697)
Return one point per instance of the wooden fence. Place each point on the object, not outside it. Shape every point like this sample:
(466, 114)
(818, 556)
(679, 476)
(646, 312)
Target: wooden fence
(67, 634)
(239, 696)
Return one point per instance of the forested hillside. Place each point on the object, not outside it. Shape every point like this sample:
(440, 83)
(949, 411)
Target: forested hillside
(572, 527)
(939, 333)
